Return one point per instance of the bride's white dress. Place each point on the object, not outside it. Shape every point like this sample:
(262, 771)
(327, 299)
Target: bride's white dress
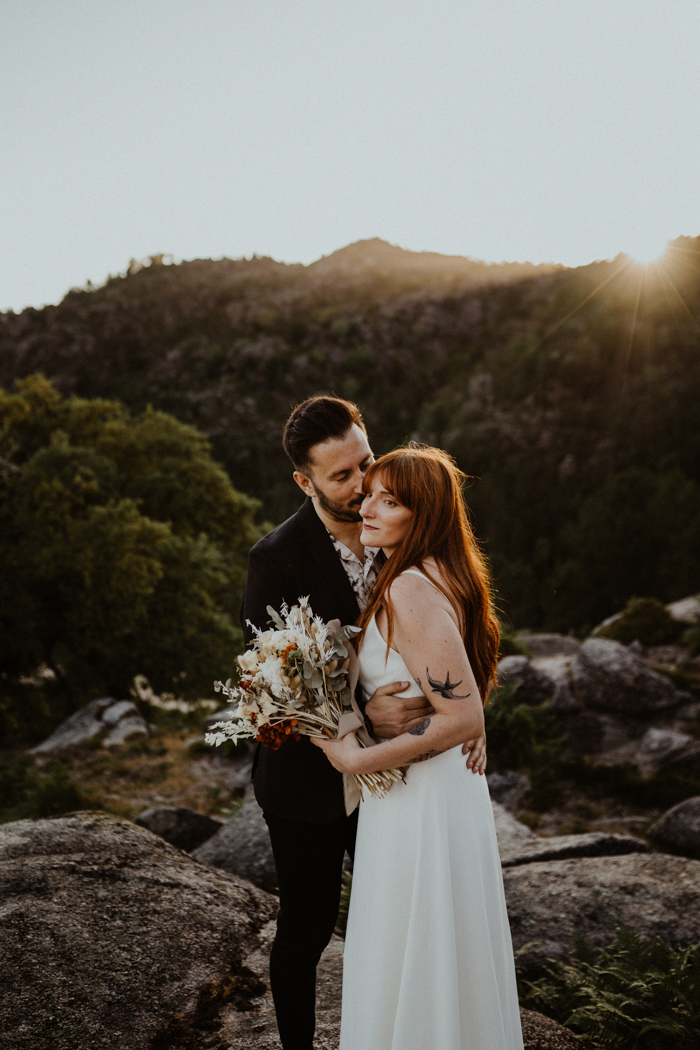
(428, 953)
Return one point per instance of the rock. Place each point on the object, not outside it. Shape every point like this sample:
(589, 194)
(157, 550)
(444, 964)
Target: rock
(517, 844)
(508, 787)
(78, 729)
(112, 714)
(242, 847)
(112, 938)
(511, 834)
(120, 717)
(564, 847)
(686, 610)
(608, 677)
(183, 828)
(534, 687)
(542, 1033)
(562, 699)
(258, 1030)
(656, 895)
(660, 747)
(546, 645)
(132, 726)
(678, 830)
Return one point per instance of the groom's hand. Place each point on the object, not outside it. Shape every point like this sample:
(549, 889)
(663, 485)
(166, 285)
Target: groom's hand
(393, 715)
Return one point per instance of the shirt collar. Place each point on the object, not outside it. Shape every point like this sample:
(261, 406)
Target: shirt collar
(347, 555)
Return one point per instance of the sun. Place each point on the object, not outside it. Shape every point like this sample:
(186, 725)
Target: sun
(647, 247)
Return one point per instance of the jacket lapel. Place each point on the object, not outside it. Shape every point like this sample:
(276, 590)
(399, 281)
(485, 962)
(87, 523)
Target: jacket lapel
(320, 546)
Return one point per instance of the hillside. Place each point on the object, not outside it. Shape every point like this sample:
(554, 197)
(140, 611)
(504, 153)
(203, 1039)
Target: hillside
(571, 393)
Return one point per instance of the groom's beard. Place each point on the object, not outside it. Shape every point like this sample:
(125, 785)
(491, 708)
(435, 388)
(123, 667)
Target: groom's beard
(349, 511)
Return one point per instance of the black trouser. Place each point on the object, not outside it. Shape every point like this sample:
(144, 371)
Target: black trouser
(309, 862)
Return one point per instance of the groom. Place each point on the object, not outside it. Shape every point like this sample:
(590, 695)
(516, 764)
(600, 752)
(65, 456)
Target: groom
(317, 552)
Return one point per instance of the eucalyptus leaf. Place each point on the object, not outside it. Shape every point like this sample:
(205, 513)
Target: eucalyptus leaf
(276, 618)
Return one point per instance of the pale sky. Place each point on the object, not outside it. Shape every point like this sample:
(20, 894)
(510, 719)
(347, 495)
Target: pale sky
(542, 130)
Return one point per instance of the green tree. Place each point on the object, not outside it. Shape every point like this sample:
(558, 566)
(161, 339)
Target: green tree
(123, 551)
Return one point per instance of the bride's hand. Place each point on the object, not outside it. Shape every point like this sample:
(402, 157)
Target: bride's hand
(342, 754)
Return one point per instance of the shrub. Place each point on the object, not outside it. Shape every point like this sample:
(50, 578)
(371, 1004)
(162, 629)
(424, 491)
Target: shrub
(26, 791)
(646, 620)
(636, 995)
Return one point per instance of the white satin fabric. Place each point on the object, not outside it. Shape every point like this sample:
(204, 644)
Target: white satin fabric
(428, 953)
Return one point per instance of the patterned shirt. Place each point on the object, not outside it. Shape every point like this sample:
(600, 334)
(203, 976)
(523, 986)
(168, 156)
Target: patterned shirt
(362, 577)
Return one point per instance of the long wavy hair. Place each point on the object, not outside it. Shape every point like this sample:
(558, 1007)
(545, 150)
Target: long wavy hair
(428, 482)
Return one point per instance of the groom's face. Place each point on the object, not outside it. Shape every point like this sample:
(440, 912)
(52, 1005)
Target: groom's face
(335, 472)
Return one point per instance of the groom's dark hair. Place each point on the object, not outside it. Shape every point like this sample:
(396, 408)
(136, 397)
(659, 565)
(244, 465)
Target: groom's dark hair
(315, 420)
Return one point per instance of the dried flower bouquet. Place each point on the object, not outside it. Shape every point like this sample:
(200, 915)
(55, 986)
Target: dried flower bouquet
(298, 679)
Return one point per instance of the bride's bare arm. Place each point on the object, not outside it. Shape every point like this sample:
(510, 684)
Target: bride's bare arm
(427, 637)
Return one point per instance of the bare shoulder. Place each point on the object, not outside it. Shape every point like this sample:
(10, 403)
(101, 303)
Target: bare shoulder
(415, 598)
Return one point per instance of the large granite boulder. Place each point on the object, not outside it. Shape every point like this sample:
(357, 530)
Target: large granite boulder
(181, 827)
(678, 830)
(242, 847)
(517, 844)
(656, 895)
(533, 686)
(110, 937)
(662, 747)
(117, 719)
(548, 645)
(608, 677)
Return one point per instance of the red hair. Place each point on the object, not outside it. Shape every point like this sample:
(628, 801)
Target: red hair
(428, 482)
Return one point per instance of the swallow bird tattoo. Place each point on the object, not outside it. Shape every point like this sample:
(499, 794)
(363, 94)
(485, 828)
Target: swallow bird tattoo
(446, 688)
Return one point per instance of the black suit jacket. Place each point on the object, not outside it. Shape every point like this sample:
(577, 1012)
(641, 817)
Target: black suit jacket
(298, 558)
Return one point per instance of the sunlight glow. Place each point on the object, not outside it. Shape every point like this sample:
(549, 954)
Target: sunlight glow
(647, 247)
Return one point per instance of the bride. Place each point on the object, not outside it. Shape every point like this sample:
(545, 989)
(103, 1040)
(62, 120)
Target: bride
(428, 954)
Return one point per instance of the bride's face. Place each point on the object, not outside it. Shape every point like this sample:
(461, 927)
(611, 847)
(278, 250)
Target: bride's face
(384, 520)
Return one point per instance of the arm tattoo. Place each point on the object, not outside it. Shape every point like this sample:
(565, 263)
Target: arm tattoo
(446, 688)
(420, 728)
(425, 757)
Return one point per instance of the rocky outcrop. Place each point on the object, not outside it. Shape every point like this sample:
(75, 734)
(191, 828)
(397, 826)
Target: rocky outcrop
(117, 719)
(546, 645)
(507, 787)
(112, 938)
(678, 830)
(242, 846)
(608, 677)
(542, 1033)
(606, 699)
(686, 610)
(517, 844)
(549, 902)
(183, 828)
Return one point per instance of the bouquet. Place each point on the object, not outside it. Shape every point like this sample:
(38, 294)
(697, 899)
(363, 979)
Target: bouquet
(298, 679)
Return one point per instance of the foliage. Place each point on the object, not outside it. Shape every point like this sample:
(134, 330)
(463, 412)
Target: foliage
(646, 620)
(527, 737)
(124, 552)
(521, 735)
(575, 409)
(636, 995)
(28, 791)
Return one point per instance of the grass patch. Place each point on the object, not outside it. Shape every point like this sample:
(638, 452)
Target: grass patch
(635, 995)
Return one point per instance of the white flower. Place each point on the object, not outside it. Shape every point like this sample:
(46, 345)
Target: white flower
(248, 661)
